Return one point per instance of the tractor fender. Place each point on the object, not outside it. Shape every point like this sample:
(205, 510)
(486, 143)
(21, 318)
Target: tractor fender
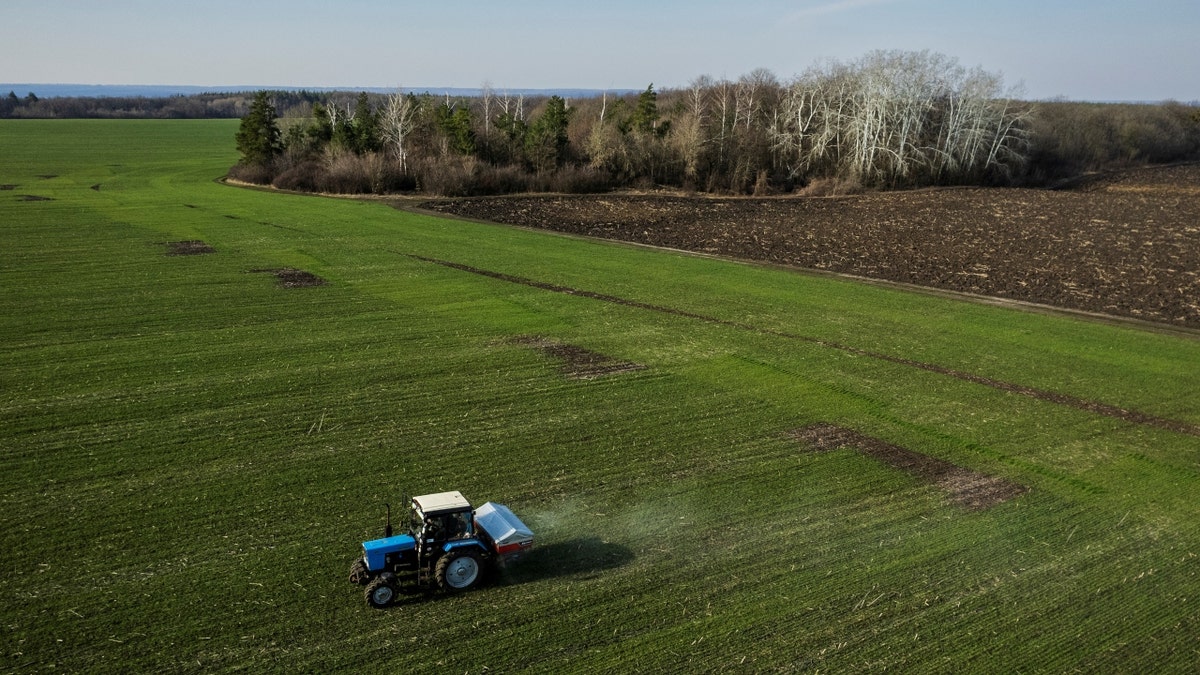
(464, 544)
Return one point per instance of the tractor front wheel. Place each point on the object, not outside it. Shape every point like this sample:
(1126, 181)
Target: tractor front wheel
(359, 573)
(382, 591)
(459, 570)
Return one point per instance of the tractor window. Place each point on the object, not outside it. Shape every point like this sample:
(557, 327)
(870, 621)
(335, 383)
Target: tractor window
(460, 523)
(443, 526)
(449, 525)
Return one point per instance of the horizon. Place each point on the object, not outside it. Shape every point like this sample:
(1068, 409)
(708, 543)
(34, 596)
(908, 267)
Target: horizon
(78, 90)
(74, 89)
(1097, 50)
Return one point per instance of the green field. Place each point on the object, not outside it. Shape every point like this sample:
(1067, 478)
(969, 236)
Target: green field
(191, 453)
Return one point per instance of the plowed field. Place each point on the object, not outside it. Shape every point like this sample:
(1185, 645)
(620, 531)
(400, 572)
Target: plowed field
(1126, 244)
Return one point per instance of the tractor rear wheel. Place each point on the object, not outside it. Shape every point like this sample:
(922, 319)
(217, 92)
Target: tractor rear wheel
(359, 573)
(459, 570)
(382, 591)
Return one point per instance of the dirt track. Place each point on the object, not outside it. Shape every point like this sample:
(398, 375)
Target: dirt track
(971, 489)
(1126, 245)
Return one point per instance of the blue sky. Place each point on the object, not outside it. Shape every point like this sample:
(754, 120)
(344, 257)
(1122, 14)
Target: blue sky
(1080, 49)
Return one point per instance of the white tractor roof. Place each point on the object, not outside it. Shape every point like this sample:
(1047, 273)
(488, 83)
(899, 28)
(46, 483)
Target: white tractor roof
(442, 501)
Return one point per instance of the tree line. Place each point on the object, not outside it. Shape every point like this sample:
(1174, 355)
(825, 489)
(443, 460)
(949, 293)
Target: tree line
(214, 105)
(887, 120)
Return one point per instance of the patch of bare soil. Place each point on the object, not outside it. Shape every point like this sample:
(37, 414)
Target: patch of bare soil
(35, 198)
(293, 278)
(8, 186)
(967, 488)
(190, 247)
(1124, 244)
(577, 362)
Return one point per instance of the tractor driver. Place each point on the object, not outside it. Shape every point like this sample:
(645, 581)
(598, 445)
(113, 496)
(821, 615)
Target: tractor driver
(449, 526)
(456, 524)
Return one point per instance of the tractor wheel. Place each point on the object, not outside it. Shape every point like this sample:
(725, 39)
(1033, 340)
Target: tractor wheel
(459, 570)
(382, 591)
(359, 573)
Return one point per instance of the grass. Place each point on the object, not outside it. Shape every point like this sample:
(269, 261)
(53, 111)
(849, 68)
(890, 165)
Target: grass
(191, 454)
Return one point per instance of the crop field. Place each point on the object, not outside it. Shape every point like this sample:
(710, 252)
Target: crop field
(208, 393)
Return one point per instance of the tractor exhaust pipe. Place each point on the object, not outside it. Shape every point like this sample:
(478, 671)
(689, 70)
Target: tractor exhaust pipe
(387, 531)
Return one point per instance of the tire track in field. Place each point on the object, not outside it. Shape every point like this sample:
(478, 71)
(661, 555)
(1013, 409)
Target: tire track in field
(968, 488)
(1096, 407)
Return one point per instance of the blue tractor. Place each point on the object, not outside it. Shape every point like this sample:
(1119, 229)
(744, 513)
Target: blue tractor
(449, 546)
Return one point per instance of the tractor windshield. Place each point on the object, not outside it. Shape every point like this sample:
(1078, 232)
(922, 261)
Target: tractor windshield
(459, 524)
(443, 526)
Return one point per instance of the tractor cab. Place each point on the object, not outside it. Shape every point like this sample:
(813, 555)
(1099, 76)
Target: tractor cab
(438, 518)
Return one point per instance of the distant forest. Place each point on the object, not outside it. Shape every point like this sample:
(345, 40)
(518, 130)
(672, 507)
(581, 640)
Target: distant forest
(889, 120)
(194, 106)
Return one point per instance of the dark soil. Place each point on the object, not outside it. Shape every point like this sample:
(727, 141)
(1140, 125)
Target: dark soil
(293, 278)
(967, 488)
(35, 198)
(577, 362)
(1125, 244)
(190, 247)
(8, 186)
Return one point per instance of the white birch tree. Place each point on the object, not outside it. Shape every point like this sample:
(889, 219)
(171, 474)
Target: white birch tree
(397, 122)
(899, 118)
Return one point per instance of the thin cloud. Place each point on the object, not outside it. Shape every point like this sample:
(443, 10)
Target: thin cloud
(835, 7)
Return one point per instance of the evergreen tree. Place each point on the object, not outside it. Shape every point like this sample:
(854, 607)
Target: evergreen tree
(342, 133)
(645, 117)
(258, 137)
(365, 136)
(513, 128)
(547, 142)
(320, 131)
(509, 144)
(455, 123)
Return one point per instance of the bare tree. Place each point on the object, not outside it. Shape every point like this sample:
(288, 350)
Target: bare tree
(332, 111)
(898, 117)
(487, 96)
(689, 133)
(398, 120)
(722, 94)
(749, 93)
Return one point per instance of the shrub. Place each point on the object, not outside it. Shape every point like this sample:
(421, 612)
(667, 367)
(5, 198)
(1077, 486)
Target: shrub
(1069, 139)
(348, 173)
(580, 180)
(831, 187)
(307, 176)
(500, 180)
(257, 174)
(762, 186)
(448, 176)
